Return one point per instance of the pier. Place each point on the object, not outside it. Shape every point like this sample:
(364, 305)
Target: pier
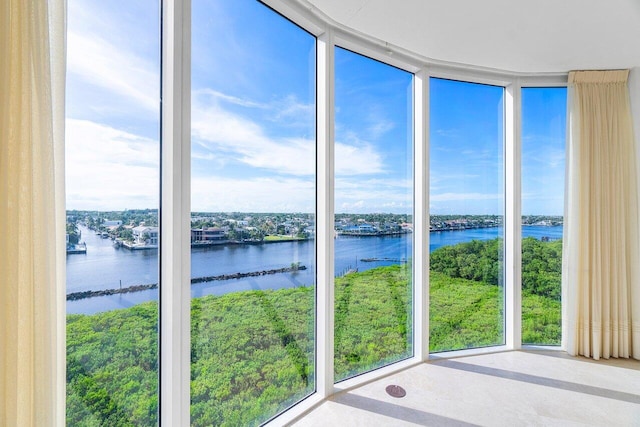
(74, 296)
(398, 260)
(80, 248)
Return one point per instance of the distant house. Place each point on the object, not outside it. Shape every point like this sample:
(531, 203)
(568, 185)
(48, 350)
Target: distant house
(144, 235)
(366, 228)
(112, 223)
(361, 228)
(207, 234)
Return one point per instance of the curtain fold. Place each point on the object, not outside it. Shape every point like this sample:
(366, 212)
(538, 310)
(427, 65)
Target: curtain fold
(601, 289)
(32, 222)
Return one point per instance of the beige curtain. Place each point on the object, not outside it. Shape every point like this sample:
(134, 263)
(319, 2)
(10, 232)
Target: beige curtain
(32, 216)
(601, 289)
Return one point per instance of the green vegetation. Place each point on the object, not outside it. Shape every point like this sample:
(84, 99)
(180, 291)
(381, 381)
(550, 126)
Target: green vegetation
(475, 260)
(252, 355)
(112, 367)
(481, 261)
(282, 238)
(372, 319)
(463, 314)
(542, 268)
(73, 232)
(252, 352)
(94, 219)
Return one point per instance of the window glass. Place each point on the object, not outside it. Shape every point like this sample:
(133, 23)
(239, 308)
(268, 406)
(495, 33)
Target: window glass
(543, 171)
(112, 187)
(466, 172)
(253, 213)
(373, 221)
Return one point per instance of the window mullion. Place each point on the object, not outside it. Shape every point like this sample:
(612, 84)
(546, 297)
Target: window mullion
(175, 245)
(325, 214)
(513, 220)
(421, 215)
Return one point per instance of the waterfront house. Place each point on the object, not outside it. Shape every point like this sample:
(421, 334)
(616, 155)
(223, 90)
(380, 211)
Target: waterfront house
(208, 234)
(144, 235)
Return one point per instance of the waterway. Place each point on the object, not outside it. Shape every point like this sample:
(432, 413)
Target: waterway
(107, 267)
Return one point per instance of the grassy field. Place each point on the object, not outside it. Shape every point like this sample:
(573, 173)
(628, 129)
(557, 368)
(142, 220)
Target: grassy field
(252, 353)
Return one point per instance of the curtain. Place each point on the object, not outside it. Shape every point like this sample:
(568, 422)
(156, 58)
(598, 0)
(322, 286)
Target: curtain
(32, 215)
(601, 289)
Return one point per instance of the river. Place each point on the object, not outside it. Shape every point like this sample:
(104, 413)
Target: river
(107, 267)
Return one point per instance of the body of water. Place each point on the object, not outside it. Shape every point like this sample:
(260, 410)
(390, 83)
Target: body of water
(107, 267)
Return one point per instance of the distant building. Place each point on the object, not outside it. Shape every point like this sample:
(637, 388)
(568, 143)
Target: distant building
(144, 235)
(112, 223)
(207, 234)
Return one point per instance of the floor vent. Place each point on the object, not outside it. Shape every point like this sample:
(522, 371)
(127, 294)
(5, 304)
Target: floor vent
(396, 391)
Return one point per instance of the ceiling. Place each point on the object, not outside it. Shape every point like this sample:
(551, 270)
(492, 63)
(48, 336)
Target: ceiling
(534, 36)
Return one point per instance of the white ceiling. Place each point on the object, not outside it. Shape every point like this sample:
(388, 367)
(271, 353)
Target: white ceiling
(511, 35)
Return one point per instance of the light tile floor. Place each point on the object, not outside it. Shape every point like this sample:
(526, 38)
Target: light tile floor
(517, 388)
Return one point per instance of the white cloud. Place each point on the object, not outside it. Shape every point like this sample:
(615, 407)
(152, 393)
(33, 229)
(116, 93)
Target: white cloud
(113, 68)
(448, 197)
(108, 169)
(232, 99)
(293, 111)
(296, 194)
(351, 207)
(373, 195)
(380, 127)
(448, 133)
(437, 177)
(222, 132)
(215, 194)
(542, 157)
(362, 159)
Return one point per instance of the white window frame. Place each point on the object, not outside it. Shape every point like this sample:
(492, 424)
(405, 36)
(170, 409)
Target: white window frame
(175, 298)
(175, 212)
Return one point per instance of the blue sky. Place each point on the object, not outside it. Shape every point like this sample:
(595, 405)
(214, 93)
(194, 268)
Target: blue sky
(113, 60)
(466, 148)
(544, 116)
(373, 122)
(253, 120)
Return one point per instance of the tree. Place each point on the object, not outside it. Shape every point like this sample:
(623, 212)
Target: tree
(73, 232)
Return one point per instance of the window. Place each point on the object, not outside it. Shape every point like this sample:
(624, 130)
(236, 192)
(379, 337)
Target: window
(373, 221)
(467, 215)
(112, 176)
(245, 327)
(543, 152)
(253, 213)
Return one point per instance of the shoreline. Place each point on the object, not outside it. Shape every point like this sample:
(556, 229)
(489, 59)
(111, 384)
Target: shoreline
(75, 296)
(205, 245)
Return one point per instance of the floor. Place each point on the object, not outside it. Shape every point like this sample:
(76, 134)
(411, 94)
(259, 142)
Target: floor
(517, 388)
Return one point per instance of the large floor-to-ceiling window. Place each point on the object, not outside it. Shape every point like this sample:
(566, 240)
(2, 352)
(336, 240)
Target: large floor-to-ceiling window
(467, 205)
(373, 249)
(252, 213)
(267, 96)
(112, 186)
(543, 172)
